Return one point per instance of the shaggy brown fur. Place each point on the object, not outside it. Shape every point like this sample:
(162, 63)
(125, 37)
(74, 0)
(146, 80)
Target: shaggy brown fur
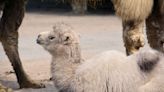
(133, 9)
(133, 36)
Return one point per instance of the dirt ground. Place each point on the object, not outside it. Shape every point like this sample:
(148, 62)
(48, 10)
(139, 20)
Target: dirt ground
(98, 33)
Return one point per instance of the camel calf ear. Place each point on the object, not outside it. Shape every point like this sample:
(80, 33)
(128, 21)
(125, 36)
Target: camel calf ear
(70, 38)
(147, 60)
(67, 39)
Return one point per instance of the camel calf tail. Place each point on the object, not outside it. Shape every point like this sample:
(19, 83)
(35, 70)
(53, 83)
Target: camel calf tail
(147, 60)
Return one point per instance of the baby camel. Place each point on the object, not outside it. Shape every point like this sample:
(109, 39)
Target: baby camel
(110, 71)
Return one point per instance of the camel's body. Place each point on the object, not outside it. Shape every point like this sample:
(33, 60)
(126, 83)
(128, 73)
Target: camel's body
(110, 71)
(132, 12)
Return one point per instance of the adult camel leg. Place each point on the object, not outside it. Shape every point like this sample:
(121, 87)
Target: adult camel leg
(152, 29)
(155, 26)
(133, 14)
(12, 17)
(133, 36)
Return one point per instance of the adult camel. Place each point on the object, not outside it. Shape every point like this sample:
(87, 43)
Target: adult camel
(134, 15)
(13, 14)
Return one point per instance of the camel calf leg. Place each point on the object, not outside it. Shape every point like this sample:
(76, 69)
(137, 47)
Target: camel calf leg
(4, 89)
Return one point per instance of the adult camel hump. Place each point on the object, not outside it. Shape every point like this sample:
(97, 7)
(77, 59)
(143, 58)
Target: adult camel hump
(13, 14)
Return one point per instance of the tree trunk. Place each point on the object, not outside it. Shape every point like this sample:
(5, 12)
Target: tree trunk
(79, 6)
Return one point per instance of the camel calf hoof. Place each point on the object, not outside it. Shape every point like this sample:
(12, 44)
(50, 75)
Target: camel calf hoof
(4, 89)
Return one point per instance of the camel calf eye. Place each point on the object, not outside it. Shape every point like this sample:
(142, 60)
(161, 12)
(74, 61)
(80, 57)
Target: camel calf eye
(51, 37)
